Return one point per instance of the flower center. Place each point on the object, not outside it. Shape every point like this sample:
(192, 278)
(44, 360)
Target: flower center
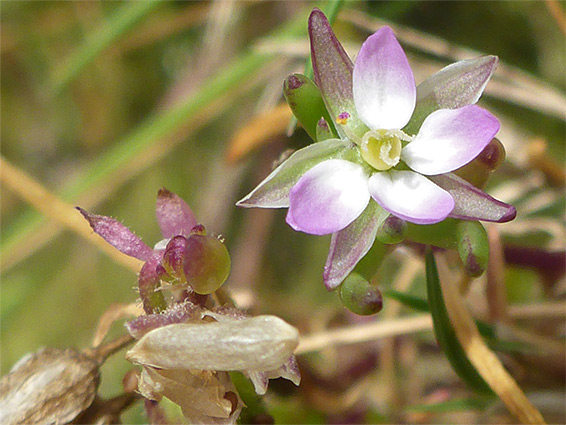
(381, 148)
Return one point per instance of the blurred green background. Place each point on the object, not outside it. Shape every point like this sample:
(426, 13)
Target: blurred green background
(106, 102)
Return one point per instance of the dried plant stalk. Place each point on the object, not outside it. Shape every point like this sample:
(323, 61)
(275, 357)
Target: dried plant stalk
(484, 360)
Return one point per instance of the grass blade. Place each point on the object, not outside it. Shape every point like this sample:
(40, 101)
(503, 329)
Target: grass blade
(445, 332)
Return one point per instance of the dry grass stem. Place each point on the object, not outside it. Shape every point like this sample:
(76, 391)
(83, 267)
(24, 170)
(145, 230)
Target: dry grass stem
(112, 314)
(483, 359)
(540, 159)
(363, 333)
(538, 311)
(60, 212)
(557, 12)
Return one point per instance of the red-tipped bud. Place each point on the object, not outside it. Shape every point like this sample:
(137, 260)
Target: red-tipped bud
(359, 296)
(477, 171)
(392, 231)
(174, 257)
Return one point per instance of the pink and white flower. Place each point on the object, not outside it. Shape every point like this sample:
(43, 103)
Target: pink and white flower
(398, 145)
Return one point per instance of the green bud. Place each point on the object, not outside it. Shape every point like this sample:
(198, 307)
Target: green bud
(206, 263)
(473, 246)
(477, 171)
(359, 296)
(323, 131)
(305, 100)
(393, 230)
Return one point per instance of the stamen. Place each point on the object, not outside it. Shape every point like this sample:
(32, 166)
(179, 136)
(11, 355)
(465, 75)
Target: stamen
(342, 118)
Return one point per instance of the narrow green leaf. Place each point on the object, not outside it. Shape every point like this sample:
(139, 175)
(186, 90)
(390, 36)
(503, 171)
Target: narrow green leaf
(486, 330)
(449, 406)
(445, 334)
(255, 404)
(118, 24)
(408, 300)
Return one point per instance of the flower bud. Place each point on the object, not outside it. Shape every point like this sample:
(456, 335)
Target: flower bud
(323, 131)
(260, 343)
(173, 258)
(473, 246)
(48, 387)
(359, 296)
(206, 263)
(305, 100)
(477, 171)
(393, 230)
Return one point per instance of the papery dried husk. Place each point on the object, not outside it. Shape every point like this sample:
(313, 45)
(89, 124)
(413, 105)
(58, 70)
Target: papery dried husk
(202, 395)
(261, 343)
(51, 386)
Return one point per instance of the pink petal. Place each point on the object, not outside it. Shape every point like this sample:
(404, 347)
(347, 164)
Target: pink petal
(174, 216)
(383, 86)
(449, 139)
(118, 235)
(351, 244)
(328, 197)
(410, 196)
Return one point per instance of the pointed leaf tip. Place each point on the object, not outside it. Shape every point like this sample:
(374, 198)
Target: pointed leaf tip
(117, 235)
(472, 203)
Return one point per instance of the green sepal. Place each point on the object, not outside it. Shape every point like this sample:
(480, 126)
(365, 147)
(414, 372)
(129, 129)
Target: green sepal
(305, 100)
(445, 334)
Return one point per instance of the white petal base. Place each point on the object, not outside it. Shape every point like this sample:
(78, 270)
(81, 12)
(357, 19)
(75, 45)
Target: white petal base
(410, 196)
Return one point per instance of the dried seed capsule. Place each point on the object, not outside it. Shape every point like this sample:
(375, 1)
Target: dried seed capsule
(51, 386)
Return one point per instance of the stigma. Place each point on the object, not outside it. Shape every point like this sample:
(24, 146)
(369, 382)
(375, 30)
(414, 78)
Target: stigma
(382, 148)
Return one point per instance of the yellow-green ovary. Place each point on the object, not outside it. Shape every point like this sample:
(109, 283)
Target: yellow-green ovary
(381, 150)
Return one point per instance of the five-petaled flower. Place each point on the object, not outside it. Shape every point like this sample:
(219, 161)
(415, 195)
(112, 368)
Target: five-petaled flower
(398, 145)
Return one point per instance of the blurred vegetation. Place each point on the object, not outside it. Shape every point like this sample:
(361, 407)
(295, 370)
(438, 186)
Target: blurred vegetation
(106, 102)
